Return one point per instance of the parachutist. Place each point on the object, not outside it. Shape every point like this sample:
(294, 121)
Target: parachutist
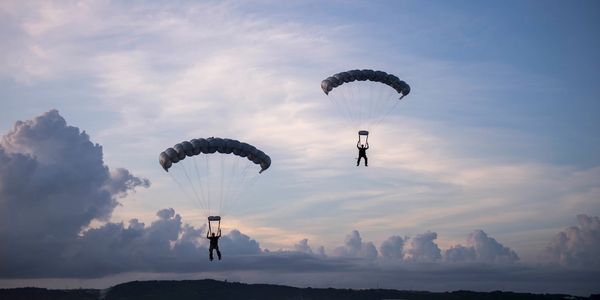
(362, 153)
(214, 244)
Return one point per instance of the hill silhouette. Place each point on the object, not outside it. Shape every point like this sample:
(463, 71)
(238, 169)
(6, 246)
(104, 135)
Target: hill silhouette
(213, 289)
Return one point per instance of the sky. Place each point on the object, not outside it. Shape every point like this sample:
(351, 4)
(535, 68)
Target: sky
(486, 176)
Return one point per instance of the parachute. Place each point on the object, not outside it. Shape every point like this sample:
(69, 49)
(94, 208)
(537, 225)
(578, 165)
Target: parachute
(364, 97)
(211, 145)
(213, 173)
(361, 75)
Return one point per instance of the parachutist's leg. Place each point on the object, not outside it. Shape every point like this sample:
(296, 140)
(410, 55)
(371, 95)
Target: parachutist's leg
(366, 165)
(219, 253)
(210, 254)
(358, 161)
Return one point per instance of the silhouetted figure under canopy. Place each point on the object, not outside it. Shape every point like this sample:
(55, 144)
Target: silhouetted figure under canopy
(214, 238)
(362, 148)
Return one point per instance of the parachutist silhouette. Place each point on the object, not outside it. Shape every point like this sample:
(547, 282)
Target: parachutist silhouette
(362, 153)
(214, 244)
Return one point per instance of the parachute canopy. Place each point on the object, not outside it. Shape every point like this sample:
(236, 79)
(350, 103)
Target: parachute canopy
(362, 75)
(211, 145)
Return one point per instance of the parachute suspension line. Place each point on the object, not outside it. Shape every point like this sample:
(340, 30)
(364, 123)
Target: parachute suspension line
(242, 177)
(389, 110)
(244, 181)
(208, 196)
(354, 102)
(353, 97)
(355, 94)
(191, 184)
(233, 179)
(348, 103)
(200, 183)
(371, 96)
(181, 187)
(359, 96)
(341, 100)
(376, 108)
(239, 176)
(222, 158)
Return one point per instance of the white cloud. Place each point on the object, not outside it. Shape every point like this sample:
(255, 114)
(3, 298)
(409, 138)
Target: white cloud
(423, 248)
(482, 248)
(355, 247)
(393, 248)
(577, 246)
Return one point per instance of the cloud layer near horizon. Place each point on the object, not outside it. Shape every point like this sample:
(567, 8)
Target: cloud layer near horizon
(53, 183)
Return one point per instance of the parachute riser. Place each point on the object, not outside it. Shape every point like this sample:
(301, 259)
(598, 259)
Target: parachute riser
(363, 134)
(214, 219)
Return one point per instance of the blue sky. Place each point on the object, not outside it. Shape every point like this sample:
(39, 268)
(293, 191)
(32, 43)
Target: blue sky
(499, 132)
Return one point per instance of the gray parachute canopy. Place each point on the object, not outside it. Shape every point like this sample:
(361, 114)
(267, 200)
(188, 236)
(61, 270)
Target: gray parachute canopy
(211, 145)
(361, 75)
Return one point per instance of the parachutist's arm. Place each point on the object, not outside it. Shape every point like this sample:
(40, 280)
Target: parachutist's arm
(219, 233)
(367, 144)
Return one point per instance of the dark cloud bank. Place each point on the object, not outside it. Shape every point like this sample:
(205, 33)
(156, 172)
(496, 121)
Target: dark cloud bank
(53, 183)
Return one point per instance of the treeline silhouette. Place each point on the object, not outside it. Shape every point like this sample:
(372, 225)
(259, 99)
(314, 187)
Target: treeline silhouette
(213, 289)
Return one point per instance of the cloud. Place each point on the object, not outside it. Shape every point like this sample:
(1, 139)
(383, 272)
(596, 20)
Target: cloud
(482, 248)
(423, 249)
(53, 183)
(460, 253)
(393, 248)
(238, 243)
(354, 247)
(577, 246)
(52, 173)
(303, 247)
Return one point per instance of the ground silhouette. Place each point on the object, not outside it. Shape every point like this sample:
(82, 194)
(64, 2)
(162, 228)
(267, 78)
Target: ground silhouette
(213, 289)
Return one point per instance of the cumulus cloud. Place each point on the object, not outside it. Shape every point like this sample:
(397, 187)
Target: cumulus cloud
(355, 247)
(239, 244)
(423, 248)
(482, 248)
(577, 246)
(393, 247)
(460, 253)
(165, 245)
(53, 183)
(303, 247)
(52, 173)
